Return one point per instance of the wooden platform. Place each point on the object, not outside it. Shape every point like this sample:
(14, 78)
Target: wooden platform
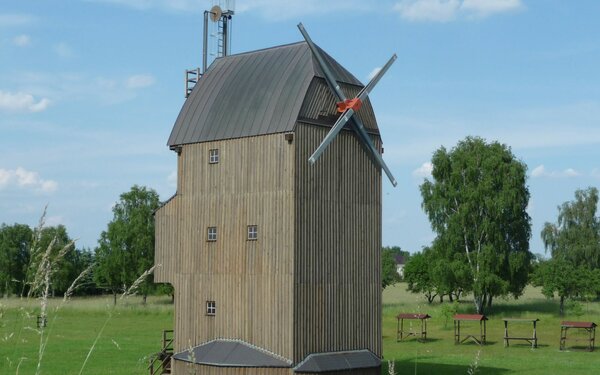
(532, 339)
(589, 327)
(401, 333)
(479, 339)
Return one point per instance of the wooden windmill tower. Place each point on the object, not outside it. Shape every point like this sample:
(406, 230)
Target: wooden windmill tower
(275, 260)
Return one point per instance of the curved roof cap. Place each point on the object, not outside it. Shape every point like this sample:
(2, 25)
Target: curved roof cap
(253, 93)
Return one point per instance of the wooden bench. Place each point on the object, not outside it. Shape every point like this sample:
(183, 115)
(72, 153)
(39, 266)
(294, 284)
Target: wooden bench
(401, 334)
(589, 327)
(532, 340)
(479, 339)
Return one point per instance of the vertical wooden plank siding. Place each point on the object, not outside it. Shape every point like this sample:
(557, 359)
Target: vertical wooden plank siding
(250, 281)
(337, 290)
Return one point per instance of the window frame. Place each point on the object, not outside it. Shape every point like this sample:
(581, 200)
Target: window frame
(211, 308)
(252, 232)
(213, 156)
(211, 234)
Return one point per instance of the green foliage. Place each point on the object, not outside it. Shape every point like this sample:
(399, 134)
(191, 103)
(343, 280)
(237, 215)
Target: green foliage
(561, 277)
(576, 236)
(126, 249)
(15, 241)
(477, 204)
(418, 274)
(397, 250)
(448, 310)
(389, 274)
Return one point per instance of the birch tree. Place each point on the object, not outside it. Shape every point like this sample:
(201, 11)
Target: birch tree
(476, 204)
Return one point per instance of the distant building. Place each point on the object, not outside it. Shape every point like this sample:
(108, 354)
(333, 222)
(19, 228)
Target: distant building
(400, 262)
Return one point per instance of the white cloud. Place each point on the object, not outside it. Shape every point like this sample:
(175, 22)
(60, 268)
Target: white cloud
(483, 8)
(22, 40)
(374, 73)
(424, 170)
(428, 10)
(139, 81)
(24, 179)
(63, 50)
(21, 102)
(540, 171)
(11, 20)
(448, 10)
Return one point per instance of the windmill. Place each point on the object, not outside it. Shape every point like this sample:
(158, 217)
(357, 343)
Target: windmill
(347, 108)
(275, 261)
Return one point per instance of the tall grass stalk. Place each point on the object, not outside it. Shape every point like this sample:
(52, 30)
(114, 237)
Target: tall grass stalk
(46, 269)
(133, 288)
(87, 357)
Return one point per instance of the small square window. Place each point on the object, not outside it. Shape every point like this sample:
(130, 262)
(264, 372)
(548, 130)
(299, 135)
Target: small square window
(211, 234)
(252, 232)
(211, 308)
(213, 156)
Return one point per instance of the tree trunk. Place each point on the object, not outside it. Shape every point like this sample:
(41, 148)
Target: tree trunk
(450, 297)
(478, 300)
(562, 306)
(441, 298)
(144, 298)
(173, 298)
(114, 298)
(489, 302)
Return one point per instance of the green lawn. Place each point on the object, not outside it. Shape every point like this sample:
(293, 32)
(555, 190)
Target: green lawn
(439, 355)
(133, 332)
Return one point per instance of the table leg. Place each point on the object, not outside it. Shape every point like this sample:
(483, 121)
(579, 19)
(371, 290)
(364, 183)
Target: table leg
(534, 343)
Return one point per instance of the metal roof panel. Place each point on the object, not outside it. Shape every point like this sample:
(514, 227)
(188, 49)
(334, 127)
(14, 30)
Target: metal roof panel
(254, 93)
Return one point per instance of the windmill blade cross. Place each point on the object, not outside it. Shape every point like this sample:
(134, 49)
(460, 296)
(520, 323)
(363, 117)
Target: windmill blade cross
(347, 107)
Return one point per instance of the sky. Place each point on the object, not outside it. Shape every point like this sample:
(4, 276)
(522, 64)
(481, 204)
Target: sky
(89, 92)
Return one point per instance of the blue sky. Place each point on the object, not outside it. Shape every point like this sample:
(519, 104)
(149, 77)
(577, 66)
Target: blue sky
(89, 91)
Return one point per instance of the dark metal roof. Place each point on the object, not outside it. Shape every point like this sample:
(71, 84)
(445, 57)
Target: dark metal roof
(577, 324)
(399, 259)
(231, 353)
(413, 316)
(477, 317)
(255, 93)
(338, 361)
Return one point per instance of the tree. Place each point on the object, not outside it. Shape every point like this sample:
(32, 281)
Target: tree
(15, 241)
(126, 249)
(389, 274)
(419, 276)
(576, 236)
(477, 204)
(563, 278)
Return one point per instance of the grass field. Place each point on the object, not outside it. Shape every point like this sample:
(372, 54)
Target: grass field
(124, 337)
(439, 355)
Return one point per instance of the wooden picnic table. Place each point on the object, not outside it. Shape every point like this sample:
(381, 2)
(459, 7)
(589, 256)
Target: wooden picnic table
(401, 334)
(479, 339)
(589, 327)
(532, 340)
